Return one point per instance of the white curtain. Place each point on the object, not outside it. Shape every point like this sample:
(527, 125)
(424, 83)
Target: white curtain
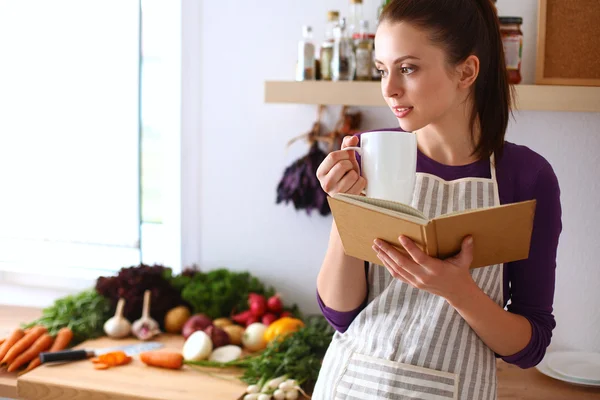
(69, 134)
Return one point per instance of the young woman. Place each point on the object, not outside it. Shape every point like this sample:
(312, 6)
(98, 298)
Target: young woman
(416, 327)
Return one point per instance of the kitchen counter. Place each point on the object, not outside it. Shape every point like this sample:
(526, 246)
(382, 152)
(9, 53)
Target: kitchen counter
(138, 382)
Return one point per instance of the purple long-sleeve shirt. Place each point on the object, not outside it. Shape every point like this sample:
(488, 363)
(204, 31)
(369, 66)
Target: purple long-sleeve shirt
(522, 174)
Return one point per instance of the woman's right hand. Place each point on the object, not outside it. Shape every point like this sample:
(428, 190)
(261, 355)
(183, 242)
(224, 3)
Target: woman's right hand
(339, 172)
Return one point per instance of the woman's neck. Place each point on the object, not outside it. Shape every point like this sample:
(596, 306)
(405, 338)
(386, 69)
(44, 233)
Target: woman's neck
(448, 140)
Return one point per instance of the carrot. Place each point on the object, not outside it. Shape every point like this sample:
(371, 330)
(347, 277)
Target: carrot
(2, 341)
(63, 338)
(10, 342)
(42, 343)
(112, 359)
(162, 359)
(23, 344)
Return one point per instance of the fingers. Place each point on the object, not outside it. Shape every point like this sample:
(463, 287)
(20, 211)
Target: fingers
(339, 172)
(358, 187)
(332, 159)
(414, 251)
(465, 257)
(347, 182)
(349, 141)
(392, 268)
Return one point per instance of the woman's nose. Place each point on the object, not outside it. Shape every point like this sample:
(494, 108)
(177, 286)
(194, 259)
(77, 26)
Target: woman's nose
(390, 87)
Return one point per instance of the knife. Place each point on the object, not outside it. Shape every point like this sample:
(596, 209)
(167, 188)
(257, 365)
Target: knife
(72, 355)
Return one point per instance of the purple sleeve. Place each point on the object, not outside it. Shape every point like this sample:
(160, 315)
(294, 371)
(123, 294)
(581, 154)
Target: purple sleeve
(339, 320)
(532, 280)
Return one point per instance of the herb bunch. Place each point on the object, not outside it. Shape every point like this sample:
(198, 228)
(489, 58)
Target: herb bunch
(84, 313)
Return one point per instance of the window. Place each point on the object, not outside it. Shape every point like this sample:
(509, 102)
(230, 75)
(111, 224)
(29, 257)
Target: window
(69, 135)
(86, 124)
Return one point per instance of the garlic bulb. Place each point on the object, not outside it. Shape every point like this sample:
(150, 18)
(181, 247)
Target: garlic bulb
(118, 326)
(145, 327)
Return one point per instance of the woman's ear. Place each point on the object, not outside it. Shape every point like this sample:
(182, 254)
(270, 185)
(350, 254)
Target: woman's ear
(468, 71)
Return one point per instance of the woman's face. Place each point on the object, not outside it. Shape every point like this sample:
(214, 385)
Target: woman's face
(416, 81)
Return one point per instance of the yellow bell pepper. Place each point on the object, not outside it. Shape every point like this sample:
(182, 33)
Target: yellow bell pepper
(281, 328)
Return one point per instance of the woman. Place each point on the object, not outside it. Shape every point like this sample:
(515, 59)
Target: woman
(416, 326)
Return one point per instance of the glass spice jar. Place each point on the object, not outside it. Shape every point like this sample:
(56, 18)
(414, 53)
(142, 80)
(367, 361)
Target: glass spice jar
(512, 41)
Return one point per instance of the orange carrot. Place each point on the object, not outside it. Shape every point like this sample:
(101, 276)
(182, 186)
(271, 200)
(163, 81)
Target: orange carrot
(2, 341)
(10, 342)
(162, 359)
(23, 344)
(63, 338)
(42, 343)
(111, 359)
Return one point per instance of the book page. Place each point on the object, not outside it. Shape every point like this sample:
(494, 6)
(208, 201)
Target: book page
(388, 205)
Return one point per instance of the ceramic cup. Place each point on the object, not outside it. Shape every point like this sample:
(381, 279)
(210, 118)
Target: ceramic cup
(388, 162)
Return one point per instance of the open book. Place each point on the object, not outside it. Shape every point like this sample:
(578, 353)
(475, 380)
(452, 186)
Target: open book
(501, 233)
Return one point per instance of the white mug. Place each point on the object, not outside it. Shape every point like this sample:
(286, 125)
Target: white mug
(389, 164)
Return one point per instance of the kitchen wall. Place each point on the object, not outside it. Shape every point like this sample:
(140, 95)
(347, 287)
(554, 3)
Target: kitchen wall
(242, 150)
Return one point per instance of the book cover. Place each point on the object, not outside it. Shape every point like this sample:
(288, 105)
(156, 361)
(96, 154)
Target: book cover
(501, 233)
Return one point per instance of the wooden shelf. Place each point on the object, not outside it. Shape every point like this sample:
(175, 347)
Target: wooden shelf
(529, 97)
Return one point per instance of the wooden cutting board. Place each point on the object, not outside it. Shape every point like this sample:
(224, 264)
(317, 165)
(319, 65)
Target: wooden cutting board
(79, 380)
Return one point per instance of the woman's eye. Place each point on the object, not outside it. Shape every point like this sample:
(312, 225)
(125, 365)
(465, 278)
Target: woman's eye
(407, 70)
(382, 73)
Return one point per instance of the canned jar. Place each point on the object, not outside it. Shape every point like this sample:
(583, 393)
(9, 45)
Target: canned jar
(512, 41)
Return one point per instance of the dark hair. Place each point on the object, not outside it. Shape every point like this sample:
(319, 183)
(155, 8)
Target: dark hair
(463, 28)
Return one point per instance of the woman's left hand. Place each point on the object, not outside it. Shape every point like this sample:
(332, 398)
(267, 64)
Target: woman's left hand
(449, 278)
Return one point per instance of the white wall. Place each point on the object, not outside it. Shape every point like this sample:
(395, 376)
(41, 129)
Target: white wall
(243, 155)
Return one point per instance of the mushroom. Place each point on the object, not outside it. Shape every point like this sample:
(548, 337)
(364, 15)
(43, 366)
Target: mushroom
(145, 328)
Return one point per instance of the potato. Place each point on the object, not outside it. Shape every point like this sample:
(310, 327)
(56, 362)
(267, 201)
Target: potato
(222, 322)
(176, 318)
(235, 333)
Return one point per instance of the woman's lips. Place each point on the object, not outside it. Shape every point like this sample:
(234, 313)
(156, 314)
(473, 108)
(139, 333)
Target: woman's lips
(402, 112)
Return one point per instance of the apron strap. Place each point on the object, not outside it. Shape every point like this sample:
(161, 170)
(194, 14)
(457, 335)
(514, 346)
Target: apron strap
(494, 180)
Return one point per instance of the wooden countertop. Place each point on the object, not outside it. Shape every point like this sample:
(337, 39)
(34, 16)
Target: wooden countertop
(141, 382)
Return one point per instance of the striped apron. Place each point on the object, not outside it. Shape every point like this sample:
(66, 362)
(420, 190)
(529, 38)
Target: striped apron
(408, 343)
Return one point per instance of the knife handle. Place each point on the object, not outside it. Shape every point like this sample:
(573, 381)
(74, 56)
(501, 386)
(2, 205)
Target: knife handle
(64, 355)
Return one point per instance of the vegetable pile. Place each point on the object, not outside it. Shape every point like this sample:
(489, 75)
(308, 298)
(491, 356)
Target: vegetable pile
(298, 355)
(228, 319)
(132, 282)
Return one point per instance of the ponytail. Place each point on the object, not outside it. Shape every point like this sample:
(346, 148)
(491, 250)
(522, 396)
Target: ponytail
(493, 98)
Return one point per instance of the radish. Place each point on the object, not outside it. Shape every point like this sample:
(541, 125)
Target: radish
(226, 354)
(274, 383)
(274, 304)
(253, 389)
(251, 320)
(269, 318)
(242, 317)
(264, 396)
(258, 309)
(286, 314)
(257, 304)
(279, 394)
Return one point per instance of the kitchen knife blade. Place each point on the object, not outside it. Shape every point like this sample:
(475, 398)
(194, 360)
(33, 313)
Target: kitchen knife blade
(72, 355)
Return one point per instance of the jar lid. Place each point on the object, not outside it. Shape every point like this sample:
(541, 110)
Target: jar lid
(511, 20)
(333, 15)
(356, 1)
